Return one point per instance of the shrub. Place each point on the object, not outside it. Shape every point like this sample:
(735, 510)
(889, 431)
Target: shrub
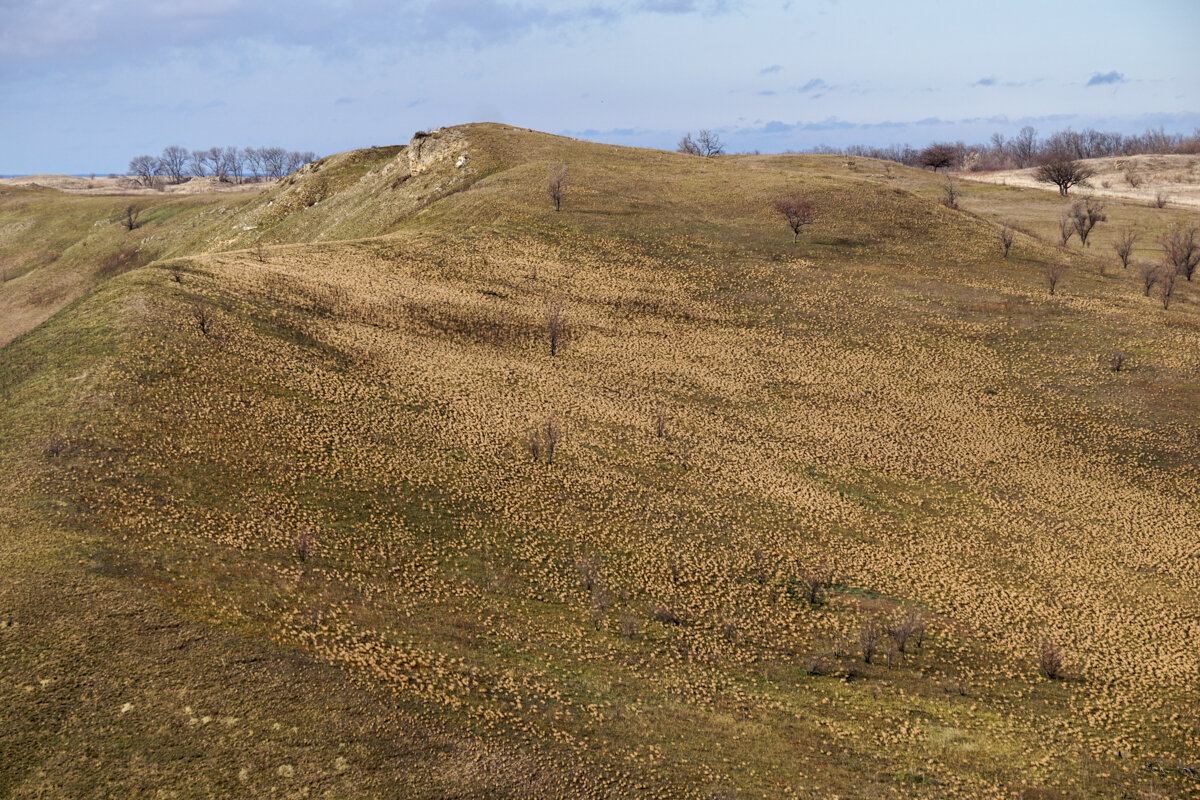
(1160, 200)
(1084, 215)
(816, 582)
(1066, 228)
(908, 630)
(541, 440)
(1181, 251)
(1123, 245)
(870, 637)
(666, 614)
(556, 325)
(1050, 660)
(950, 194)
(1149, 274)
(798, 212)
(1053, 274)
(1007, 236)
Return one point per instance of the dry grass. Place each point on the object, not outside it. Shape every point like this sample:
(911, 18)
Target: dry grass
(891, 396)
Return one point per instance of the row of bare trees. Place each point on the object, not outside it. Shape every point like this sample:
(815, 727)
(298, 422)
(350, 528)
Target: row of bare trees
(1025, 149)
(227, 164)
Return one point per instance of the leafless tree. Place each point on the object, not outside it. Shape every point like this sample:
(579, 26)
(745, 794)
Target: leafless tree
(1084, 214)
(706, 144)
(870, 636)
(1066, 227)
(906, 629)
(198, 162)
(1007, 236)
(1060, 169)
(1123, 245)
(174, 162)
(798, 212)
(1024, 146)
(129, 217)
(1050, 659)
(1168, 277)
(556, 325)
(145, 169)
(1053, 274)
(1149, 273)
(1181, 251)
(542, 438)
(259, 253)
(555, 184)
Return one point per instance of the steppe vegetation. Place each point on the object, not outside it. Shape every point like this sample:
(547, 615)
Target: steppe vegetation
(397, 481)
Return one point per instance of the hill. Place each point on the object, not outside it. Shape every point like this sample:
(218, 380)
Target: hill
(328, 518)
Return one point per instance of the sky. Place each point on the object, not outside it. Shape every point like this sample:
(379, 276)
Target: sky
(85, 85)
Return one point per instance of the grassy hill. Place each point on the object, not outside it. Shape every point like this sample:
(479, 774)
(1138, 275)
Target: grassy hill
(327, 518)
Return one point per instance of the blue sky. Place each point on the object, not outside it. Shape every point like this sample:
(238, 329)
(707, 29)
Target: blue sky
(87, 84)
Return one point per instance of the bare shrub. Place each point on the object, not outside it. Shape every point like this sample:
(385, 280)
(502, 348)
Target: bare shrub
(628, 626)
(1116, 361)
(555, 184)
(815, 583)
(203, 317)
(820, 664)
(1123, 245)
(303, 545)
(951, 194)
(1181, 251)
(1149, 274)
(1167, 279)
(660, 422)
(666, 614)
(1160, 200)
(1007, 236)
(1084, 214)
(130, 217)
(541, 439)
(870, 637)
(1066, 228)
(259, 253)
(798, 211)
(1132, 178)
(1053, 274)
(1050, 660)
(556, 325)
(908, 630)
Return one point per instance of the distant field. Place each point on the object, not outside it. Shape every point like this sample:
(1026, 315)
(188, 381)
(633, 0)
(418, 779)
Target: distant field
(297, 502)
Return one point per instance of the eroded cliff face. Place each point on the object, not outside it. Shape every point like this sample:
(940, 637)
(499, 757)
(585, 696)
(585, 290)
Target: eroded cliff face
(429, 149)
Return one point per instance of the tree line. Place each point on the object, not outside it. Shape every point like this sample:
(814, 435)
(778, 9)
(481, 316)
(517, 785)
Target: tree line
(226, 164)
(1025, 149)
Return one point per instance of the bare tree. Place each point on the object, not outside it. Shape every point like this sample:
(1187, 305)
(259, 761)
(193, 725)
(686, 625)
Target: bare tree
(816, 582)
(950, 194)
(1181, 251)
(1149, 274)
(870, 636)
(1160, 200)
(145, 169)
(1167, 279)
(1066, 227)
(1084, 215)
(798, 212)
(202, 316)
(542, 438)
(174, 162)
(556, 325)
(129, 217)
(1123, 245)
(1024, 146)
(1053, 274)
(1063, 171)
(706, 144)
(1007, 236)
(555, 184)
(198, 163)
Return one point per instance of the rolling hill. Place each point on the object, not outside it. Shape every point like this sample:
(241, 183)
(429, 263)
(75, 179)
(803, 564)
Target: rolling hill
(298, 502)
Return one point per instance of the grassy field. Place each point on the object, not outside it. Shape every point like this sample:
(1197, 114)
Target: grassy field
(287, 521)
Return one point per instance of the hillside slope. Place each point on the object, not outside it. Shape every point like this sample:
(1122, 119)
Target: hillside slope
(335, 521)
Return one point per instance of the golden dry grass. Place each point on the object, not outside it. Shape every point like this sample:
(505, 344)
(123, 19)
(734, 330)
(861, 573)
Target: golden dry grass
(336, 471)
